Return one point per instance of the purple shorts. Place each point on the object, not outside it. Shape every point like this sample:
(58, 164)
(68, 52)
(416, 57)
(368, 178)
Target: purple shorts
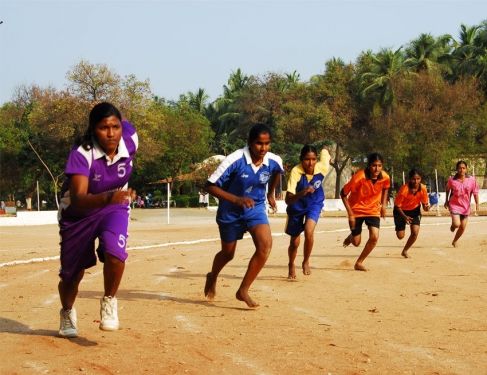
(78, 237)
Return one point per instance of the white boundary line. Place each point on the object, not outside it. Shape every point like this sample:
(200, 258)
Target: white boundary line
(167, 244)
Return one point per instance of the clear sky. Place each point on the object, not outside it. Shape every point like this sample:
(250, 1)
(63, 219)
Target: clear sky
(183, 45)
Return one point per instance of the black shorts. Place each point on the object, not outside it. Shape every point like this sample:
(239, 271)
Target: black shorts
(399, 220)
(371, 221)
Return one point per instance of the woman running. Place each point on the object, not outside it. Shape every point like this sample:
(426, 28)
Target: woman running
(459, 191)
(95, 205)
(365, 199)
(240, 183)
(407, 208)
(305, 198)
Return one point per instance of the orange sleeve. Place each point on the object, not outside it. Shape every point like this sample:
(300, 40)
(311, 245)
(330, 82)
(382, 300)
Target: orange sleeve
(387, 184)
(424, 195)
(400, 196)
(352, 183)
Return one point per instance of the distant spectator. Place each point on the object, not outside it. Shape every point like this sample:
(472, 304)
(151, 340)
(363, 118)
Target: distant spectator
(148, 200)
(140, 202)
(433, 197)
(203, 199)
(28, 202)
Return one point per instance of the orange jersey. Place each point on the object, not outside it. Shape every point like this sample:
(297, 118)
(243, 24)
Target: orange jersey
(408, 201)
(365, 197)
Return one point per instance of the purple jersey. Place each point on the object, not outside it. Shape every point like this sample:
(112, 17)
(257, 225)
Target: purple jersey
(103, 174)
(80, 228)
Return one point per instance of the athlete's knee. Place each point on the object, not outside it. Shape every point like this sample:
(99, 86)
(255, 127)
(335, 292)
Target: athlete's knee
(263, 250)
(309, 236)
(373, 239)
(400, 235)
(356, 240)
(111, 259)
(227, 254)
(264, 242)
(73, 282)
(294, 243)
(293, 247)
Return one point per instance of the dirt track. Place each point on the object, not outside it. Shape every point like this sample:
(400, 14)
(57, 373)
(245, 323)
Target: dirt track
(424, 315)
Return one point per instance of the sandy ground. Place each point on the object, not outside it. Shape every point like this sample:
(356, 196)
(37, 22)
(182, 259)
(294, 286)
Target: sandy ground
(424, 315)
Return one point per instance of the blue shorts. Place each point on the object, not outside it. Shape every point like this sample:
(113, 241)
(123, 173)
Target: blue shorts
(295, 223)
(233, 229)
(78, 240)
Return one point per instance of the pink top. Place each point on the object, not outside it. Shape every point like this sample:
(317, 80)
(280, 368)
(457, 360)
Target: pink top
(461, 194)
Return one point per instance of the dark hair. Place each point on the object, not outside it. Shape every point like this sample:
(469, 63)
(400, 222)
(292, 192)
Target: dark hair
(375, 156)
(306, 149)
(257, 130)
(98, 112)
(412, 173)
(460, 162)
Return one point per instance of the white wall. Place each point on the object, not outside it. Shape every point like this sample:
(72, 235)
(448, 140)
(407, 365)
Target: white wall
(337, 204)
(29, 218)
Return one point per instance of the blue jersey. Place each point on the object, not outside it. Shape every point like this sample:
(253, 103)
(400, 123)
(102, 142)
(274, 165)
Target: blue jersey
(298, 181)
(237, 175)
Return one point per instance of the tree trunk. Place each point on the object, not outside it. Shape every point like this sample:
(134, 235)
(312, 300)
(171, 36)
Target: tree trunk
(339, 165)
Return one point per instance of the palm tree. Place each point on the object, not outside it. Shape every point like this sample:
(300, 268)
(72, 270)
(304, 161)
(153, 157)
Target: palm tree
(223, 113)
(198, 100)
(467, 51)
(292, 78)
(385, 67)
(427, 53)
(236, 83)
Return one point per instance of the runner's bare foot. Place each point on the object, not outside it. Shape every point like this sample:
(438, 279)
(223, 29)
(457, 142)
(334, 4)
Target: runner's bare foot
(292, 272)
(347, 241)
(244, 296)
(405, 254)
(359, 267)
(306, 268)
(454, 244)
(210, 286)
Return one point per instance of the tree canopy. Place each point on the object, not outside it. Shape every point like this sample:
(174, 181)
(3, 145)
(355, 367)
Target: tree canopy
(421, 105)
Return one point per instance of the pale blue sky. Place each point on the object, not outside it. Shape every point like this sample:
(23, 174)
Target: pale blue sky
(183, 45)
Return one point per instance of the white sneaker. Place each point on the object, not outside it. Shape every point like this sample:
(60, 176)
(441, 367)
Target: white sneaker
(108, 314)
(68, 326)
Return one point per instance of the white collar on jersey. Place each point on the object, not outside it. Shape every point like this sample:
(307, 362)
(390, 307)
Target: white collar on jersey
(248, 158)
(122, 151)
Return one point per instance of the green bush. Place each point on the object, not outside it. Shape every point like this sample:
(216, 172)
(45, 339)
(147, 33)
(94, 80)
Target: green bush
(194, 201)
(186, 200)
(181, 200)
(213, 201)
